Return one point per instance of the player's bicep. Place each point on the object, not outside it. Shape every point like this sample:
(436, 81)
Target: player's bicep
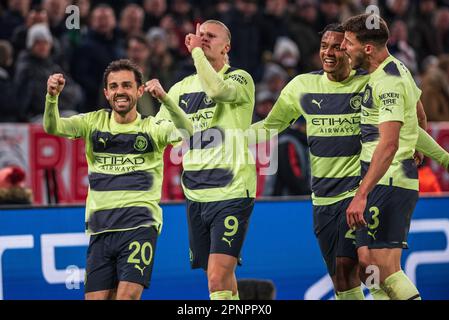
(422, 118)
(389, 133)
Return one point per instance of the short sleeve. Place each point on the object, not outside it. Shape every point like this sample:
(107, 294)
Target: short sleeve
(390, 97)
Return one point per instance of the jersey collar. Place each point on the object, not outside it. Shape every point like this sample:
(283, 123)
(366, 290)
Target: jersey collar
(224, 69)
(121, 125)
(383, 64)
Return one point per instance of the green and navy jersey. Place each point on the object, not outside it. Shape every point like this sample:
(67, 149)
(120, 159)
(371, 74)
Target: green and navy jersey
(332, 113)
(391, 94)
(218, 164)
(125, 166)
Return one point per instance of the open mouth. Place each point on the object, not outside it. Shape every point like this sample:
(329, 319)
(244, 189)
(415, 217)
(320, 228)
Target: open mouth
(329, 62)
(121, 99)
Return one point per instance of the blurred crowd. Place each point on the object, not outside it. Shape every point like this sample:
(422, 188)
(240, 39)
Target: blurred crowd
(273, 40)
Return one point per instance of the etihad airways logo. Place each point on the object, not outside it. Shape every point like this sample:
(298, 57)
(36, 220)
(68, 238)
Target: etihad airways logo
(335, 121)
(119, 163)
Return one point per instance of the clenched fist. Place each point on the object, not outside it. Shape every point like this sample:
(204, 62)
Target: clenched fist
(55, 84)
(154, 88)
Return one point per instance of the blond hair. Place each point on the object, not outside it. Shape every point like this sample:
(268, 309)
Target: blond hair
(228, 34)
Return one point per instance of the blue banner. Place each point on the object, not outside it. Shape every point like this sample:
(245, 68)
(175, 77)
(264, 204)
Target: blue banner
(43, 253)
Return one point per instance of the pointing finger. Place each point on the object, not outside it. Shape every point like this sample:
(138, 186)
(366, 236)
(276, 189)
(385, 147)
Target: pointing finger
(198, 29)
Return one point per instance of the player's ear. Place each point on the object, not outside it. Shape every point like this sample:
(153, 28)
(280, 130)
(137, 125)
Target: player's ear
(140, 90)
(368, 48)
(106, 94)
(226, 49)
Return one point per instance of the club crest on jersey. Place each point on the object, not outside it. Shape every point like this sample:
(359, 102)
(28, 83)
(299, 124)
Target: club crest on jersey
(367, 94)
(207, 101)
(141, 143)
(356, 102)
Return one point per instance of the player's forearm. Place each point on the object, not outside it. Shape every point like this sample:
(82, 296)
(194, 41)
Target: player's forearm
(259, 133)
(380, 162)
(178, 116)
(422, 118)
(51, 114)
(212, 83)
(430, 148)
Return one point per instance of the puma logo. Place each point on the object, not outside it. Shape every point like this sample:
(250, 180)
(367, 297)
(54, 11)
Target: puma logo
(184, 102)
(372, 234)
(317, 103)
(227, 241)
(139, 268)
(103, 141)
(387, 109)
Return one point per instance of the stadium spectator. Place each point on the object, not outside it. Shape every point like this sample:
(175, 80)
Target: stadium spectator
(138, 51)
(221, 10)
(435, 90)
(162, 61)
(183, 23)
(131, 20)
(12, 186)
(274, 23)
(304, 28)
(442, 30)
(265, 100)
(37, 14)
(56, 16)
(7, 89)
(399, 46)
(287, 55)
(353, 7)
(174, 43)
(396, 10)
(13, 17)
(245, 21)
(75, 35)
(274, 78)
(329, 12)
(32, 70)
(96, 51)
(424, 35)
(293, 175)
(154, 11)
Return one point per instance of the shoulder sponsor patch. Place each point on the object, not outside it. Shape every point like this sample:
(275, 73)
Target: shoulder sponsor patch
(239, 78)
(388, 99)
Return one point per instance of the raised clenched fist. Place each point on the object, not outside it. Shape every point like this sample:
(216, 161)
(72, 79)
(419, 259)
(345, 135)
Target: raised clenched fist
(154, 88)
(55, 84)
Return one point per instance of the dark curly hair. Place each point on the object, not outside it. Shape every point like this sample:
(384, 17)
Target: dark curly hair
(123, 64)
(360, 26)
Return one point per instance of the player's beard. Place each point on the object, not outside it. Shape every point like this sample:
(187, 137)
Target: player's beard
(122, 107)
(357, 60)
